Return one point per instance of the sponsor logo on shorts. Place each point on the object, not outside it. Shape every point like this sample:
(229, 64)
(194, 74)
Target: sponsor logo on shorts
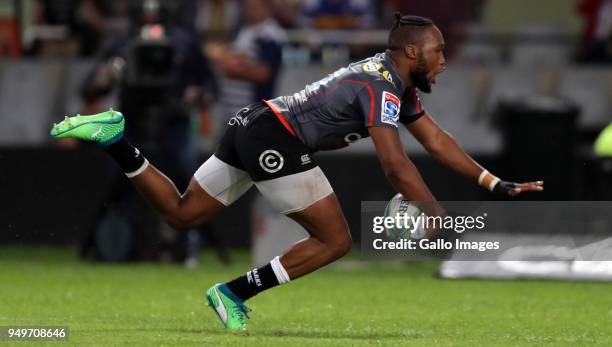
(352, 137)
(271, 161)
(305, 159)
(390, 108)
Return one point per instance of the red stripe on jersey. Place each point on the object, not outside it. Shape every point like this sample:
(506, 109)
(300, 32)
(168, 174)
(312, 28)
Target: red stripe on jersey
(417, 103)
(281, 118)
(367, 85)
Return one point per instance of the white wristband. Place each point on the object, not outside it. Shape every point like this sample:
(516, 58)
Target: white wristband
(482, 176)
(493, 183)
(487, 180)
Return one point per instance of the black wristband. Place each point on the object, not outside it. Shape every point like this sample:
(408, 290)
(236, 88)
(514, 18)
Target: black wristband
(503, 187)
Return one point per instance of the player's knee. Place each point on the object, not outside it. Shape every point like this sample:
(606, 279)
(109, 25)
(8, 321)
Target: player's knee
(177, 223)
(182, 222)
(342, 245)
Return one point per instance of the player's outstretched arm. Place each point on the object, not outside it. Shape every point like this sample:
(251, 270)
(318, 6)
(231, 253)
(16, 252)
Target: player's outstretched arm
(441, 145)
(400, 171)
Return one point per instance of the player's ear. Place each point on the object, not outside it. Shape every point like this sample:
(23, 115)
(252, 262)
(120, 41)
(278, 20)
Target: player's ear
(411, 51)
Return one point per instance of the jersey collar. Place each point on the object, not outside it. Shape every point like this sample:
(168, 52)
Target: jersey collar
(396, 78)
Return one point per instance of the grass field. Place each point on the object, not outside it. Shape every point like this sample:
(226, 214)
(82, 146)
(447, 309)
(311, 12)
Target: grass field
(364, 305)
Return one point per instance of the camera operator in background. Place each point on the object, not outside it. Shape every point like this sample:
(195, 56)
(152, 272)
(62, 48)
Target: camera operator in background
(163, 79)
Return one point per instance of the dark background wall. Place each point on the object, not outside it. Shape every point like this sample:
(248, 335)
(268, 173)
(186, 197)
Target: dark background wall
(54, 196)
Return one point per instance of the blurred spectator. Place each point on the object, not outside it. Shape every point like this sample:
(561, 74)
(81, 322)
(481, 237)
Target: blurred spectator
(594, 46)
(451, 16)
(84, 23)
(163, 78)
(286, 12)
(183, 13)
(91, 25)
(39, 38)
(218, 20)
(336, 14)
(89, 22)
(57, 12)
(251, 65)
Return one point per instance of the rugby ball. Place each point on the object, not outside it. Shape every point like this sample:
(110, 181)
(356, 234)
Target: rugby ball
(408, 218)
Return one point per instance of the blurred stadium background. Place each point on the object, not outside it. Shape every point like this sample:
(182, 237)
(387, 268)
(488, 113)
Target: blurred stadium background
(527, 93)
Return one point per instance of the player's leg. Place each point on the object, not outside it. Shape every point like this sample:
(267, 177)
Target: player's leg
(285, 173)
(308, 198)
(214, 186)
(330, 238)
(182, 211)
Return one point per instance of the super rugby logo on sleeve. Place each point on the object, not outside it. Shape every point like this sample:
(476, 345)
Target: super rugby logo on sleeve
(390, 109)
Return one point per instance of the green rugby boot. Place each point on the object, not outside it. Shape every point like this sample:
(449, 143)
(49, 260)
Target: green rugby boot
(103, 128)
(230, 309)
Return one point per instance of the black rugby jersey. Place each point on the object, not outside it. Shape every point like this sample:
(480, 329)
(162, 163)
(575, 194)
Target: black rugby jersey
(337, 110)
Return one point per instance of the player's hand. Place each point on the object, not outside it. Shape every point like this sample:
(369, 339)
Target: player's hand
(513, 189)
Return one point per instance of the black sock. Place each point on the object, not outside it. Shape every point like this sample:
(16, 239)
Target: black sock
(127, 156)
(254, 282)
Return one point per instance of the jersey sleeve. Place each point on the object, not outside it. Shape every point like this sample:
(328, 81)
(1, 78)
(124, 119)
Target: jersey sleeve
(380, 104)
(411, 109)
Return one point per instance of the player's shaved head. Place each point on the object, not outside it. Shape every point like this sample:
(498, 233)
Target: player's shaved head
(407, 30)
